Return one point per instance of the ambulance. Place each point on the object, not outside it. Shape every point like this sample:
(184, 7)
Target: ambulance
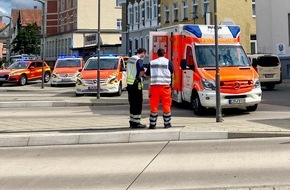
(192, 51)
(112, 75)
(65, 70)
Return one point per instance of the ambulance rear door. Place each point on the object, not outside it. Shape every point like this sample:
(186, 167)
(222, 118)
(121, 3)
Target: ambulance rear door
(159, 40)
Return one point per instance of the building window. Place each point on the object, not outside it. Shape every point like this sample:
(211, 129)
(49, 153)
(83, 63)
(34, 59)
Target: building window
(136, 43)
(254, 8)
(175, 12)
(166, 14)
(253, 44)
(184, 10)
(206, 8)
(136, 14)
(147, 10)
(289, 28)
(154, 3)
(141, 42)
(194, 9)
(62, 5)
(147, 43)
(119, 24)
(130, 14)
(75, 3)
(141, 12)
(69, 4)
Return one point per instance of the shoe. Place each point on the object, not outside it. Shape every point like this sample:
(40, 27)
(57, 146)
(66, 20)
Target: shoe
(137, 126)
(131, 124)
(167, 126)
(152, 127)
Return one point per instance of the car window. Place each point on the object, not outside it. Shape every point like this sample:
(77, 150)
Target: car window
(18, 65)
(38, 64)
(268, 61)
(105, 64)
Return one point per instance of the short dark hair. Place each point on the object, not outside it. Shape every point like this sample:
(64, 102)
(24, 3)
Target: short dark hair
(160, 52)
(141, 50)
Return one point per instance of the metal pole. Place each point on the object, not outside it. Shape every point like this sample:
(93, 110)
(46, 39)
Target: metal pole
(218, 95)
(8, 49)
(99, 47)
(43, 39)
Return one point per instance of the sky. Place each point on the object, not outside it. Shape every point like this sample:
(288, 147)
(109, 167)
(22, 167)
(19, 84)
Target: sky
(7, 5)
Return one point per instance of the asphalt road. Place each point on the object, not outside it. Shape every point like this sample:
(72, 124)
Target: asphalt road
(224, 164)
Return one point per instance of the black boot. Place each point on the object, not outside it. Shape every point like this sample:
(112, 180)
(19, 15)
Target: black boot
(134, 125)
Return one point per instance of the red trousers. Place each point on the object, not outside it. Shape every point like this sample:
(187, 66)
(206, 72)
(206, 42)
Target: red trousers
(157, 93)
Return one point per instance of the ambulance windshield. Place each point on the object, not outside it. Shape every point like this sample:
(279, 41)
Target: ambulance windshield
(63, 63)
(228, 56)
(105, 64)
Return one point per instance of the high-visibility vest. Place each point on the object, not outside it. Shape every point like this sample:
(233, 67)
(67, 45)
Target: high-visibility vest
(132, 69)
(159, 71)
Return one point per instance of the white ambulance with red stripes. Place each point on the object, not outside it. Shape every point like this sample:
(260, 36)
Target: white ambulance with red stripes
(192, 51)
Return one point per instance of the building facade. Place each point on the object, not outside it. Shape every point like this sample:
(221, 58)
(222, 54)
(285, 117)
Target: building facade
(273, 30)
(148, 15)
(72, 26)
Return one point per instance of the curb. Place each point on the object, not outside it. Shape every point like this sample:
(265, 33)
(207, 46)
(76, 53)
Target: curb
(175, 134)
(19, 104)
(43, 139)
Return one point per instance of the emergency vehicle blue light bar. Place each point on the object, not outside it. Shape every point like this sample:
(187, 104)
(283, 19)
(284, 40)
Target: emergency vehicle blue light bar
(194, 29)
(235, 30)
(67, 56)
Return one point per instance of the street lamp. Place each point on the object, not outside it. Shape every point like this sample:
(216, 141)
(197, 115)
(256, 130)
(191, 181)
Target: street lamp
(99, 48)
(43, 38)
(218, 95)
(8, 52)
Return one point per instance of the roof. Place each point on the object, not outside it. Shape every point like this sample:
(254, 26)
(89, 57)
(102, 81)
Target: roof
(26, 16)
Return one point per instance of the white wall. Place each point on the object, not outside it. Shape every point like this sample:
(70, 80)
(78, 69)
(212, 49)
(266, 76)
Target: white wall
(272, 25)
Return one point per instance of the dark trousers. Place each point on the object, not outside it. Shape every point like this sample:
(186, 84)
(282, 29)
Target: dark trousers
(135, 97)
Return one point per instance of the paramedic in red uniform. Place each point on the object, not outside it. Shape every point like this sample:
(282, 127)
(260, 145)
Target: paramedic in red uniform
(160, 73)
(135, 71)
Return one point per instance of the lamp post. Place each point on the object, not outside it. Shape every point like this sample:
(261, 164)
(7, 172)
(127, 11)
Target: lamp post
(8, 49)
(43, 3)
(218, 95)
(99, 47)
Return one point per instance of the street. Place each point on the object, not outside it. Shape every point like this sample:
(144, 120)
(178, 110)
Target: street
(161, 165)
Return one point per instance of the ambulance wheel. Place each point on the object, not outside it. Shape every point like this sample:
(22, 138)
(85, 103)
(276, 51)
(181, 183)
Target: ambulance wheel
(198, 109)
(252, 108)
(119, 93)
(270, 86)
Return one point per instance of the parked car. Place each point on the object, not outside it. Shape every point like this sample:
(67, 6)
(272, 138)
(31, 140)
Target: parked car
(268, 68)
(27, 70)
(66, 69)
(112, 75)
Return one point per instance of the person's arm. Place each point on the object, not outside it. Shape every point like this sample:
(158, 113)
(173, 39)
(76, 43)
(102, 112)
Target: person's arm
(140, 68)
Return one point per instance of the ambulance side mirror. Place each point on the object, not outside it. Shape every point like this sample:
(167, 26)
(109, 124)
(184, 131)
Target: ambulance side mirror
(183, 64)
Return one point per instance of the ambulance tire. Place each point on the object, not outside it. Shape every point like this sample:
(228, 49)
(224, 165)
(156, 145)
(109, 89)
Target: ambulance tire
(270, 86)
(252, 108)
(198, 109)
(119, 93)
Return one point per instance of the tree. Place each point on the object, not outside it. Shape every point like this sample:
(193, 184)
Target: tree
(27, 40)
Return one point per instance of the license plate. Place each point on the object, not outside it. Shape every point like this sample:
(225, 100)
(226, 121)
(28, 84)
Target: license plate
(66, 80)
(2, 79)
(269, 76)
(237, 101)
(92, 87)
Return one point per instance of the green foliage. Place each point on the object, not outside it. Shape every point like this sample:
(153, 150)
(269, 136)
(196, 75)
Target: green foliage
(27, 40)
